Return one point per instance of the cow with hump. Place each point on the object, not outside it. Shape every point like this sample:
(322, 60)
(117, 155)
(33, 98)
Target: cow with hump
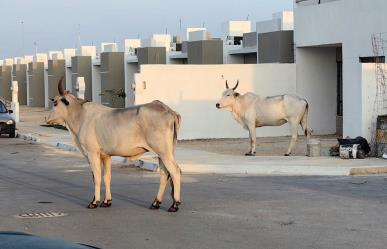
(101, 132)
(251, 111)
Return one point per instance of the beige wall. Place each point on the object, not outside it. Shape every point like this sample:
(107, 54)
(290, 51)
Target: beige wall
(193, 90)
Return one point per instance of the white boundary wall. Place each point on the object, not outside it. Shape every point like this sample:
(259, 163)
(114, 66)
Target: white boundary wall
(193, 91)
(369, 111)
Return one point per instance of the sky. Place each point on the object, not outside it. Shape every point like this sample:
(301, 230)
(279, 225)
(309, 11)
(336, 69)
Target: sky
(55, 24)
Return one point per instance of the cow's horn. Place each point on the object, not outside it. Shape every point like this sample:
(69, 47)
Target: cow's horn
(235, 87)
(227, 85)
(60, 87)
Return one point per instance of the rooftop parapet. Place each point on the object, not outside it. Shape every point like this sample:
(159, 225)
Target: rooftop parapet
(41, 57)
(280, 21)
(55, 55)
(109, 47)
(8, 62)
(87, 51)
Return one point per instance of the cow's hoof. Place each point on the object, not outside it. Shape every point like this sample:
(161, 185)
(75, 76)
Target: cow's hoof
(93, 205)
(174, 208)
(106, 204)
(155, 205)
(287, 154)
(250, 154)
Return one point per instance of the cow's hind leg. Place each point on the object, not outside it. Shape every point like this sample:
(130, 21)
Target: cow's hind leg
(107, 178)
(175, 173)
(95, 164)
(163, 185)
(294, 134)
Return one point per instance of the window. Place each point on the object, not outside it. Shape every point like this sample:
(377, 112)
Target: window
(372, 59)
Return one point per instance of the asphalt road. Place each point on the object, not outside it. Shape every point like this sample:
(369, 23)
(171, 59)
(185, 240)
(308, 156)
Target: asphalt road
(218, 211)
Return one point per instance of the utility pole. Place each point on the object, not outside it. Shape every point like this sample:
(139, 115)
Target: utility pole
(79, 36)
(36, 47)
(22, 36)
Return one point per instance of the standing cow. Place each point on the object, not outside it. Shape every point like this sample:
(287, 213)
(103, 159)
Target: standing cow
(101, 132)
(251, 111)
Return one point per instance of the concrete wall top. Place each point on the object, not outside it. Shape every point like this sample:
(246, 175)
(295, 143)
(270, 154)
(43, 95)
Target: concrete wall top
(157, 40)
(55, 55)
(235, 28)
(192, 29)
(19, 60)
(131, 44)
(199, 35)
(68, 53)
(109, 47)
(8, 62)
(280, 21)
(41, 57)
(28, 58)
(87, 51)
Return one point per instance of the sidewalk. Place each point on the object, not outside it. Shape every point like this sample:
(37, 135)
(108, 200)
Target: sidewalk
(199, 161)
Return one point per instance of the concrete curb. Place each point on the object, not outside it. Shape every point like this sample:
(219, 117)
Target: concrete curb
(142, 164)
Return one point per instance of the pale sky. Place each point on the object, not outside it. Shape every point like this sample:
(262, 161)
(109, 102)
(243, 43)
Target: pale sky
(53, 24)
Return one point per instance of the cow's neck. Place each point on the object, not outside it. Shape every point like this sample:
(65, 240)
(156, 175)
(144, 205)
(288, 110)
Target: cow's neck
(236, 110)
(73, 120)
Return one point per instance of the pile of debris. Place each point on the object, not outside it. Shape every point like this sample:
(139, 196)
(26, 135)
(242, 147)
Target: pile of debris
(7, 103)
(348, 148)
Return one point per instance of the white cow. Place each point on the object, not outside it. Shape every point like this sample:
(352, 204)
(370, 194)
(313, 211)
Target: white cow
(101, 132)
(251, 111)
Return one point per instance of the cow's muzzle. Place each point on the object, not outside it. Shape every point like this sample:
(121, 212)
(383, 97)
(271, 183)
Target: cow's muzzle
(217, 105)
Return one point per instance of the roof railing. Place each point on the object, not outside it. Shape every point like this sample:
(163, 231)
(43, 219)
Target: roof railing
(299, 1)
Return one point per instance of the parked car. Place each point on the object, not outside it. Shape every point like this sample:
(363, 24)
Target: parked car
(17, 240)
(7, 123)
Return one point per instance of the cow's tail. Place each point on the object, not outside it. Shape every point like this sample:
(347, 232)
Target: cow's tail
(304, 121)
(176, 126)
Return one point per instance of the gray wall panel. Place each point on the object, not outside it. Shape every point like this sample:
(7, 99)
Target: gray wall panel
(5, 82)
(276, 47)
(56, 70)
(152, 55)
(36, 84)
(113, 79)
(205, 52)
(81, 66)
(20, 75)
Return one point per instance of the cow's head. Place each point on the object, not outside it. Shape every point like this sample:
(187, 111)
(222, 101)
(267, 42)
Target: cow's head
(64, 104)
(228, 98)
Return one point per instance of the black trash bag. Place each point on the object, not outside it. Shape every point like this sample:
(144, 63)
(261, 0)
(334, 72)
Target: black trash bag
(364, 145)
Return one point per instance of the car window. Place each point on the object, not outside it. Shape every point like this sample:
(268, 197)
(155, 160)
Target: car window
(2, 107)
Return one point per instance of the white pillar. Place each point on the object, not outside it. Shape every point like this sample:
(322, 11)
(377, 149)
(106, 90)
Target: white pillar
(80, 87)
(15, 101)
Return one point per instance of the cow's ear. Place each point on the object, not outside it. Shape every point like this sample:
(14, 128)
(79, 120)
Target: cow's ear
(236, 94)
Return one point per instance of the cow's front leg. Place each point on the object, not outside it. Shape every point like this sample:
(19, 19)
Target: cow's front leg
(95, 164)
(107, 178)
(253, 138)
(294, 134)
